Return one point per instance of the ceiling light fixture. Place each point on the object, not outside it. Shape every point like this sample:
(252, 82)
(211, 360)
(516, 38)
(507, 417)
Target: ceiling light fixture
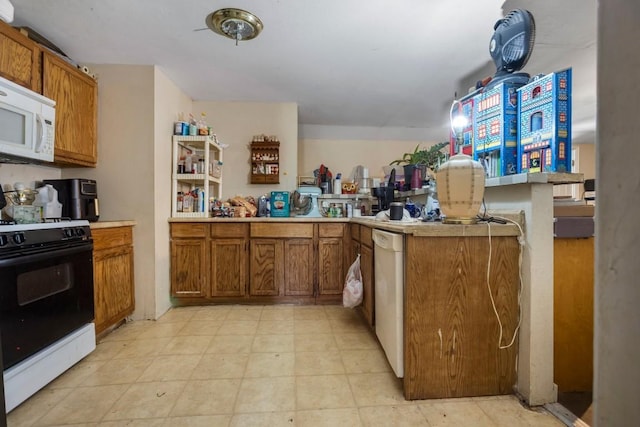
(236, 24)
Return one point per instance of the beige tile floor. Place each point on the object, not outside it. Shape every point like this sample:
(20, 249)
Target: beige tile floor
(250, 366)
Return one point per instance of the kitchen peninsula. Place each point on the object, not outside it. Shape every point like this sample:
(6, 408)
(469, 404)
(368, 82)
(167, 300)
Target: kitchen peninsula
(451, 332)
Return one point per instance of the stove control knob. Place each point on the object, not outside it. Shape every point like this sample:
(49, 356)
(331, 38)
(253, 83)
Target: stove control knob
(80, 232)
(3, 240)
(68, 232)
(18, 238)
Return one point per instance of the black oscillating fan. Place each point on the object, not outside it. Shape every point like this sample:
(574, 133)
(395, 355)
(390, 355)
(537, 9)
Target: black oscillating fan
(511, 46)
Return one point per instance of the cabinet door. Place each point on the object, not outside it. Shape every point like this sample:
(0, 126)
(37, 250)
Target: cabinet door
(366, 267)
(298, 267)
(355, 250)
(113, 286)
(188, 268)
(19, 58)
(228, 267)
(266, 267)
(114, 295)
(330, 266)
(76, 96)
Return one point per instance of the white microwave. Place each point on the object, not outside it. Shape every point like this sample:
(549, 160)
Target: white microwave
(27, 125)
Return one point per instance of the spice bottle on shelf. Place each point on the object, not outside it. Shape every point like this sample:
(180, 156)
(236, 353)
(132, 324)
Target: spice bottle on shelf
(188, 163)
(194, 164)
(187, 203)
(180, 201)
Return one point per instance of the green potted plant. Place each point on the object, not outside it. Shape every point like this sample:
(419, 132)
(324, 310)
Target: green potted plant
(427, 159)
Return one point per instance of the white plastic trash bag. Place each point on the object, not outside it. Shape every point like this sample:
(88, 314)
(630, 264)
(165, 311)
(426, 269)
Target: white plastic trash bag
(352, 293)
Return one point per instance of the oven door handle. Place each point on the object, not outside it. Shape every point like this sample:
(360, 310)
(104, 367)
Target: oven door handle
(44, 254)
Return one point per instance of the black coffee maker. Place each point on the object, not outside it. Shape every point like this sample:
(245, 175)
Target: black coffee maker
(385, 197)
(79, 197)
(385, 194)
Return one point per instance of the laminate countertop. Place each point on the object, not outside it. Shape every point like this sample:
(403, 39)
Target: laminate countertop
(111, 224)
(414, 227)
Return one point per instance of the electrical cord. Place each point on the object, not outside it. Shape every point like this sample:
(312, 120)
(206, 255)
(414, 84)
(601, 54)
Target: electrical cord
(521, 241)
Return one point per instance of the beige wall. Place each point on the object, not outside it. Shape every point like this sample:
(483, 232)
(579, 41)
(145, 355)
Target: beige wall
(235, 123)
(136, 111)
(168, 102)
(125, 172)
(617, 294)
(343, 155)
(28, 174)
(587, 160)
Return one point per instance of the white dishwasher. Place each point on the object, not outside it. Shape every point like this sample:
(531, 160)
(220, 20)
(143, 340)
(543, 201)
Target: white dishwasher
(389, 296)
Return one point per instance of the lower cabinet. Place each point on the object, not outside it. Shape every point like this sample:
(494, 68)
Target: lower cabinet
(282, 260)
(188, 260)
(362, 244)
(281, 267)
(228, 259)
(258, 261)
(267, 265)
(333, 260)
(366, 268)
(112, 275)
(298, 267)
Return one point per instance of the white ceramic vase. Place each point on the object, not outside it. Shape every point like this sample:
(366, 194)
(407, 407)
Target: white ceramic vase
(460, 182)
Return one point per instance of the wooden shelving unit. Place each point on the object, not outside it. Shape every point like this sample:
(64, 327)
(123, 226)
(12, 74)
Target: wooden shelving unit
(265, 162)
(208, 177)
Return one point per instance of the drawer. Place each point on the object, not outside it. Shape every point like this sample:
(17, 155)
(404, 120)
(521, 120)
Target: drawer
(365, 236)
(188, 230)
(106, 238)
(229, 230)
(331, 230)
(283, 230)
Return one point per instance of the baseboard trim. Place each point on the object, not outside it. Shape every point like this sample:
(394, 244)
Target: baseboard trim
(564, 415)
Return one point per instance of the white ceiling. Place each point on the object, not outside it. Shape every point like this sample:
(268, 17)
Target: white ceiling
(390, 65)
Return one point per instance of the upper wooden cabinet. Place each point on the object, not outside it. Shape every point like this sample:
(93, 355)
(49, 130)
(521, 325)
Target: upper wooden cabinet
(76, 96)
(19, 58)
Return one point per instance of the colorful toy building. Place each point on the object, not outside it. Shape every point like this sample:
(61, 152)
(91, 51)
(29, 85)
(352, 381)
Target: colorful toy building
(544, 112)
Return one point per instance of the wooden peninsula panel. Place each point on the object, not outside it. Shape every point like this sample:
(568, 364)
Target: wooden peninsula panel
(451, 331)
(573, 274)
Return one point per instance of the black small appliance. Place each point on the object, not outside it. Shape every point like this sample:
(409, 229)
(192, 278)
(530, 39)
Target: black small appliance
(79, 197)
(511, 46)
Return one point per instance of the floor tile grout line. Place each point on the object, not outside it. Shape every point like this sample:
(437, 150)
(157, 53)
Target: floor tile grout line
(341, 350)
